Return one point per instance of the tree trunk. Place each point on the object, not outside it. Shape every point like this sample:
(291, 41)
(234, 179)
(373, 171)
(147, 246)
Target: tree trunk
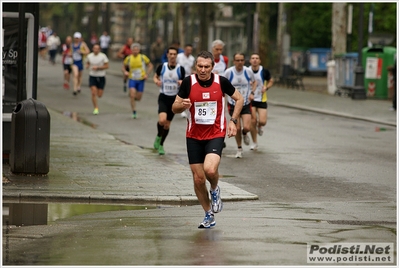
(264, 18)
(180, 23)
(175, 14)
(338, 29)
(106, 18)
(280, 34)
(203, 25)
(94, 19)
(77, 19)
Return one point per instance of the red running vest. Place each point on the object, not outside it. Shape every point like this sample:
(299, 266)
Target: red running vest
(206, 118)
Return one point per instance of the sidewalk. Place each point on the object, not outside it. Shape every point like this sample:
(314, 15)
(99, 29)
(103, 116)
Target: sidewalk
(80, 171)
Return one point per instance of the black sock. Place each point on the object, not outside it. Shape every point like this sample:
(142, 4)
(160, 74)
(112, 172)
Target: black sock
(160, 130)
(164, 134)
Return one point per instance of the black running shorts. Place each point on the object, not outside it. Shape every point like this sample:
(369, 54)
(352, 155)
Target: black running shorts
(198, 149)
(246, 109)
(97, 81)
(165, 105)
(259, 104)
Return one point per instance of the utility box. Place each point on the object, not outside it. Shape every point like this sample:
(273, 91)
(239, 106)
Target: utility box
(30, 138)
(376, 61)
(298, 58)
(350, 63)
(317, 59)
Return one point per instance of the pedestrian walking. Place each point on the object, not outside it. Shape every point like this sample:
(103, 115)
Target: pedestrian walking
(243, 80)
(123, 52)
(79, 51)
(53, 42)
(67, 60)
(203, 95)
(105, 41)
(93, 39)
(393, 70)
(395, 85)
(97, 63)
(136, 66)
(221, 61)
(264, 81)
(42, 42)
(168, 77)
(156, 52)
(186, 59)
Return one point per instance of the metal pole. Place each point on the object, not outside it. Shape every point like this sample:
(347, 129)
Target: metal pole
(21, 90)
(358, 91)
(360, 44)
(349, 28)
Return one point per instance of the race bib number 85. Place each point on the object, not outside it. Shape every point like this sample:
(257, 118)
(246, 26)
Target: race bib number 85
(205, 112)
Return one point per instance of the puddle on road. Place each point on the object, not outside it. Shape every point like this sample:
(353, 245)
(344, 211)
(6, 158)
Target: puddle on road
(75, 116)
(25, 214)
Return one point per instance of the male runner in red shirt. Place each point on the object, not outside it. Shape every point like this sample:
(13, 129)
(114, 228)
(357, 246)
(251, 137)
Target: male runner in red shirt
(202, 94)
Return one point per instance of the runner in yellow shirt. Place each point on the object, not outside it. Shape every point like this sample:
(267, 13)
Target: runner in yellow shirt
(139, 67)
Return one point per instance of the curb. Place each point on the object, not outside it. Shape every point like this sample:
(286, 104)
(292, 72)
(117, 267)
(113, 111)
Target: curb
(304, 108)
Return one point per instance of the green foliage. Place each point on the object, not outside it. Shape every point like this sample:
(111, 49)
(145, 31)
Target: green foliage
(309, 24)
(384, 21)
(384, 17)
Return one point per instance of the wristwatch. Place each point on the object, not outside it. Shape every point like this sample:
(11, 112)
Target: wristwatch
(233, 120)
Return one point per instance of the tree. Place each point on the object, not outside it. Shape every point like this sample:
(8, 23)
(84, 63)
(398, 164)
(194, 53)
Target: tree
(206, 18)
(94, 18)
(313, 27)
(338, 29)
(264, 36)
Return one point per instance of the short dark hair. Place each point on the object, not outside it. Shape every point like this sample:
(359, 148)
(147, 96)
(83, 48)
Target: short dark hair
(206, 55)
(173, 48)
(238, 53)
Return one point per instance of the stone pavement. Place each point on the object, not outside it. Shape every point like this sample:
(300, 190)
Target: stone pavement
(80, 171)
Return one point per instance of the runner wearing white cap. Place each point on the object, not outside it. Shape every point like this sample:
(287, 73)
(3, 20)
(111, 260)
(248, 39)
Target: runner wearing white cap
(79, 51)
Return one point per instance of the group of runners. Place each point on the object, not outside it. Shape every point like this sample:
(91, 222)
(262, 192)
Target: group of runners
(197, 88)
(201, 95)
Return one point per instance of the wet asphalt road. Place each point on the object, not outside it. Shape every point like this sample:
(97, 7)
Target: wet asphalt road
(319, 179)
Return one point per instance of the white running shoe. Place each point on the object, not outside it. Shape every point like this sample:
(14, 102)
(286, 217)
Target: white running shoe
(246, 139)
(254, 147)
(239, 154)
(217, 204)
(208, 222)
(260, 131)
(184, 114)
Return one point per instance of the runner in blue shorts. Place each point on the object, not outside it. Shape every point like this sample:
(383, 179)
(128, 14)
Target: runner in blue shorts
(79, 51)
(136, 66)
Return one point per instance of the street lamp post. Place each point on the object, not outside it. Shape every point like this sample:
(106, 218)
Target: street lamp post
(358, 91)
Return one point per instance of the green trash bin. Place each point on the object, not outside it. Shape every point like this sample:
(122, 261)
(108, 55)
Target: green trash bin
(375, 62)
